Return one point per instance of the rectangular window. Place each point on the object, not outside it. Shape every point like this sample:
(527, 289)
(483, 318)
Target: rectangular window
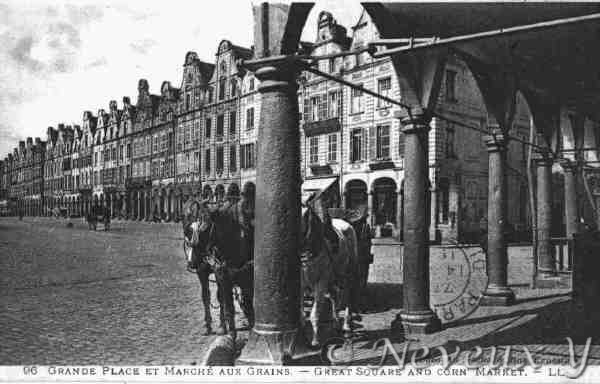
(334, 107)
(323, 107)
(251, 155)
(243, 149)
(251, 86)
(250, 118)
(356, 145)
(314, 108)
(187, 162)
(220, 159)
(356, 105)
(332, 147)
(247, 156)
(359, 59)
(384, 88)
(207, 127)
(232, 122)
(450, 85)
(332, 66)
(207, 161)
(233, 88)
(314, 150)
(222, 89)
(187, 138)
(220, 125)
(383, 142)
(196, 162)
(232, 159)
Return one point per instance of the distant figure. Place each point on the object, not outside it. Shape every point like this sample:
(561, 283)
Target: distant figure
(21, 214)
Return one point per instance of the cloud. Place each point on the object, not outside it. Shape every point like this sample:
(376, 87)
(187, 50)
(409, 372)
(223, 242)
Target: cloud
(134, 14)
(81, 15)
(37, 43)
(20, 51)
(142, 46)
(99, 62)
(8, 140)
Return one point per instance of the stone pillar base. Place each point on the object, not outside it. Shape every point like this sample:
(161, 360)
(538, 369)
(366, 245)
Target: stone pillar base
(497, 297)
(417, 323)
(274, 348)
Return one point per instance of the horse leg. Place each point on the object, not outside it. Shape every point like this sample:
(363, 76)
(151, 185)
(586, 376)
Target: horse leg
(205, 286)
(220, 296)
(229, 308)
(314, 317)
(333, 303)
(247, 297)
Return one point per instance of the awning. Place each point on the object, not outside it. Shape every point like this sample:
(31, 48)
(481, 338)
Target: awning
(322, 184)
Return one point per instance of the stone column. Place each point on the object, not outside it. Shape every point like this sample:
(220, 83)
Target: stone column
(276, 337)
(148, 208)
(433, 222)
(497, 291)
(173, 206)
(571, 211)
(370, 208)
(141, 198)
(400, 213)
(112, 204)
(545, 251)
(416, 316)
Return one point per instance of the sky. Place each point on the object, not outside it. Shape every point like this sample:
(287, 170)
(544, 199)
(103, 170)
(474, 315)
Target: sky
(60, 58)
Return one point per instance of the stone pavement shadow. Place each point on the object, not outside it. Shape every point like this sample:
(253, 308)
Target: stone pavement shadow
(551, 325)
(505, 314)
(381, 297)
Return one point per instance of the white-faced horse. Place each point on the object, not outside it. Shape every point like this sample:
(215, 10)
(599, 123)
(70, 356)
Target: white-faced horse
(329, 260)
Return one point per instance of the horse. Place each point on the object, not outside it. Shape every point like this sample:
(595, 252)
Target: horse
(222, 239)
(329, 271)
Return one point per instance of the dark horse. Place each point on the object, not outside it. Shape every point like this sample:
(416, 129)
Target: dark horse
(221, 238)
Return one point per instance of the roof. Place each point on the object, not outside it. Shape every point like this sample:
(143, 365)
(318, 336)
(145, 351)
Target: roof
(559, 60)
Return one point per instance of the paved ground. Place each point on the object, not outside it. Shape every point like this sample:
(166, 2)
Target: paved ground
(79, 297)
(71, 296)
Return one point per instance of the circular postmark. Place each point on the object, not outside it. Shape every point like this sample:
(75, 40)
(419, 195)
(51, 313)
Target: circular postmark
(457, 280)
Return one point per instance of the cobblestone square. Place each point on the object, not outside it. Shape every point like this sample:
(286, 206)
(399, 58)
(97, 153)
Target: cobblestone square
(74, 296)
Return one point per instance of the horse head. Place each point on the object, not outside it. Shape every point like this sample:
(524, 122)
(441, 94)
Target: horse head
(312, 230)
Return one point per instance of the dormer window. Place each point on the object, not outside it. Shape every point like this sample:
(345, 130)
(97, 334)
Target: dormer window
(223, 66)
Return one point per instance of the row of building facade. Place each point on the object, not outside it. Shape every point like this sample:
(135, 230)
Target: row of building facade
(144, 160)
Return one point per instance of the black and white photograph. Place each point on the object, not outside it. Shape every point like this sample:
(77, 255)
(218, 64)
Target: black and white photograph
(296, 191)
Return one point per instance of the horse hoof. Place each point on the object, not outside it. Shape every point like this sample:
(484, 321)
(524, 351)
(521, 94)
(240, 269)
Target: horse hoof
(208, 331)
(315, 343)
(220, 331)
